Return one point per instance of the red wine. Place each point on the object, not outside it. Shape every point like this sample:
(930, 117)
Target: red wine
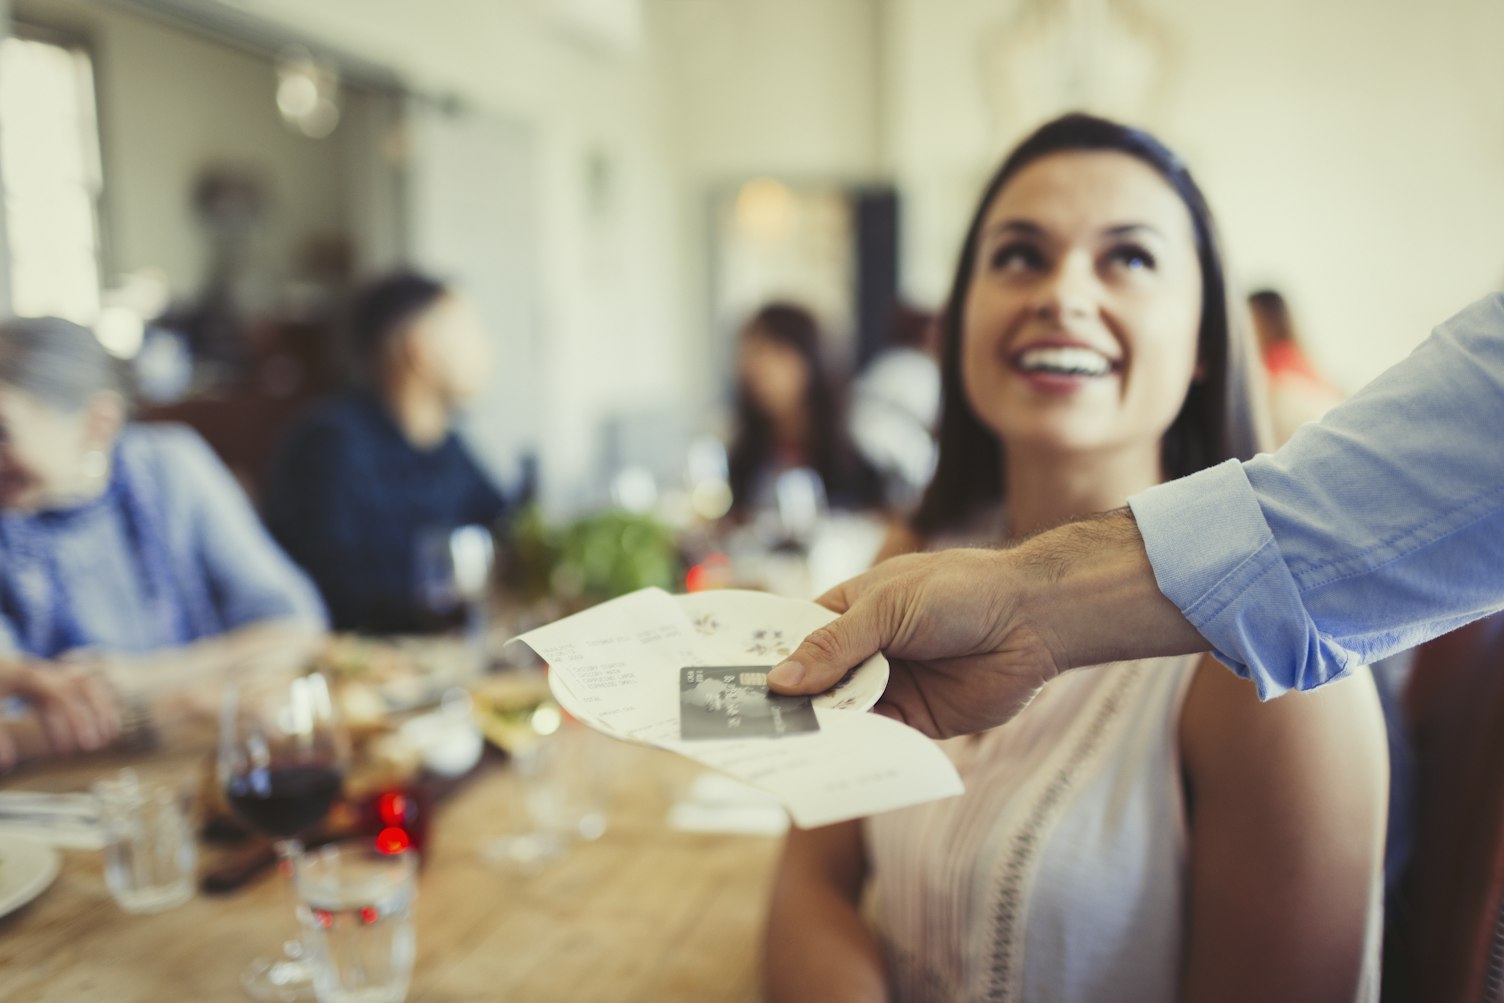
(284, 800)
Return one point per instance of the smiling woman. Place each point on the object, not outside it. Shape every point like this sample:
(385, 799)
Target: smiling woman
(1084, 207)
(1116, 839)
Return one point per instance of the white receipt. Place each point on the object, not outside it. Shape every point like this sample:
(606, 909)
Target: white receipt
(616, 668)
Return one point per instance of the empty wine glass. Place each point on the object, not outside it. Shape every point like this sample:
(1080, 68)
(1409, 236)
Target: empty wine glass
(558, 799)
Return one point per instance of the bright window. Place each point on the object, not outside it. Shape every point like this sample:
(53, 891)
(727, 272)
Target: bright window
(49, 167)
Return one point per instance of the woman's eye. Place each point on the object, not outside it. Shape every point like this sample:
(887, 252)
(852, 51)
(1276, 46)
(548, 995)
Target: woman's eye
(1016, 258)
(1131, 257)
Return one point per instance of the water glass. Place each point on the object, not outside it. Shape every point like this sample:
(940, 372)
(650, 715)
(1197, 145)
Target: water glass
(149, 852)
(560, 793)
(356, 908)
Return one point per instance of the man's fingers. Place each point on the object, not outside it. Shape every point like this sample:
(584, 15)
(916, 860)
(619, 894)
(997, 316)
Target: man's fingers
(104, 708)
(830, 652)
(59, 732)
(81, 721)
(68, 716)
(904, 701)
(840, 598)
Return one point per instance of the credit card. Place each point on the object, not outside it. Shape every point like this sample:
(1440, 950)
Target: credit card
(732, 701)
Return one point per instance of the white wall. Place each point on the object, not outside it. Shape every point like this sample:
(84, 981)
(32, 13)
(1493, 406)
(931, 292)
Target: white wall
(171, 103)
(472, 193)
(783, 88)
(1353, 150)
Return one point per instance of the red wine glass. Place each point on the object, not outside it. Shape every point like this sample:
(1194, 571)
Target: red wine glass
(281, 766)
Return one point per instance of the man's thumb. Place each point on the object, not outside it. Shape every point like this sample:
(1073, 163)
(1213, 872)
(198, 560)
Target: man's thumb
(826, 655)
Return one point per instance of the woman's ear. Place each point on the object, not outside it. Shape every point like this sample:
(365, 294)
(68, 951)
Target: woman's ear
(1198, 375)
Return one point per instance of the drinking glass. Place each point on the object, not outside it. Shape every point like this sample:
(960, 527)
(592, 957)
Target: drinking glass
(281, 766)
(356, 908)
(552, 758)
(801, 504)
(149, 853)
(453, 570)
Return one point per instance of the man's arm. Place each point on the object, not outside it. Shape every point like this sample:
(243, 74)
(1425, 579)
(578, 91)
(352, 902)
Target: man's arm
(70, 710)
(1372, 531)
(252, 581)
(1377, 529)
(971, 635)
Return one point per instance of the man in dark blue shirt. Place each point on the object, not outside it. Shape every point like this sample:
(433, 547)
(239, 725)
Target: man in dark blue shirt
(362, 482)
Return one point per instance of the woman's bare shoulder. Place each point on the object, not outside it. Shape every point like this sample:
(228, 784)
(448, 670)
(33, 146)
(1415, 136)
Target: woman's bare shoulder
(1224, 725)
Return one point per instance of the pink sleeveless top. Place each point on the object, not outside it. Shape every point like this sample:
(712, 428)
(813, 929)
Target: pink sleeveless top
(1061, 874)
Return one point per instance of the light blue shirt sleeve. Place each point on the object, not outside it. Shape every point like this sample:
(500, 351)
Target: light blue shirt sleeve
(1370, 532)
(251, 580)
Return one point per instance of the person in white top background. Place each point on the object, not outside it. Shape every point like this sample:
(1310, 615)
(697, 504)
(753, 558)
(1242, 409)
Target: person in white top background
(1140, 831)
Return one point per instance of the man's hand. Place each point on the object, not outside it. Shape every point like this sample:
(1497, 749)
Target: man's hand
(76, 708)
(962, 656)
(971, 635)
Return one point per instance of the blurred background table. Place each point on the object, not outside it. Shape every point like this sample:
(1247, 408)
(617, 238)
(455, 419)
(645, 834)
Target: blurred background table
(643, 913)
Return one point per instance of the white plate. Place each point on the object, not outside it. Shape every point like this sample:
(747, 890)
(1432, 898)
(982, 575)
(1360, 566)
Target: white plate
(26, 869)
(756, 628)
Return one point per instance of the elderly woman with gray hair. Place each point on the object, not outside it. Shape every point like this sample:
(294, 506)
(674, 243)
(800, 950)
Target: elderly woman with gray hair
(118, 541)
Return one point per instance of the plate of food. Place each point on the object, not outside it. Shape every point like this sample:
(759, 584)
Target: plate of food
(27, 867)
(376, 677)
(759, 628)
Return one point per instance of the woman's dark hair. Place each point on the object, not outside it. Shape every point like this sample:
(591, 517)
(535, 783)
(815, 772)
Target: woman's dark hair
(1271, 314)
(1219, 419)
(831, 454)
(385, 306)
(60, 363)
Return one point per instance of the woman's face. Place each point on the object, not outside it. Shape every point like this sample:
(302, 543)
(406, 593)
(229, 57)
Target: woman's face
(1079, 328)
(774, 375)
(42, 450)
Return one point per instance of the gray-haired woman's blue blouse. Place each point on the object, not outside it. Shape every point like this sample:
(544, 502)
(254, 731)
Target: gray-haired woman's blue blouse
(170, 554)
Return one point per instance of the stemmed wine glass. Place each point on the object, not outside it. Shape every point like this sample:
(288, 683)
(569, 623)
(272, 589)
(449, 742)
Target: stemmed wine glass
(558, 801)
(453, 571)
(281, 765)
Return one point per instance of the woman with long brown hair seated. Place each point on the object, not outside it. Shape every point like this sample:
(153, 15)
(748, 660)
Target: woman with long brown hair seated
(1147, 833)
(791, 416)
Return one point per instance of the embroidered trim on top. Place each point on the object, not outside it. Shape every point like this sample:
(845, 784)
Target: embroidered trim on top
(1026, 842)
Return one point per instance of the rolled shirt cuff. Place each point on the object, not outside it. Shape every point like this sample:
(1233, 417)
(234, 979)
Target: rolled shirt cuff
(1215, 558)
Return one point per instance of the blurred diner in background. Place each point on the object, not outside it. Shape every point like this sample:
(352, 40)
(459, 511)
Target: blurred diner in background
(342, 343)
(366, 480)
(1298, 393)
(791, 424)
(127, 549)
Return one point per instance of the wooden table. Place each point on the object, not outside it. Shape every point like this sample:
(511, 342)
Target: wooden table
(644, 913)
